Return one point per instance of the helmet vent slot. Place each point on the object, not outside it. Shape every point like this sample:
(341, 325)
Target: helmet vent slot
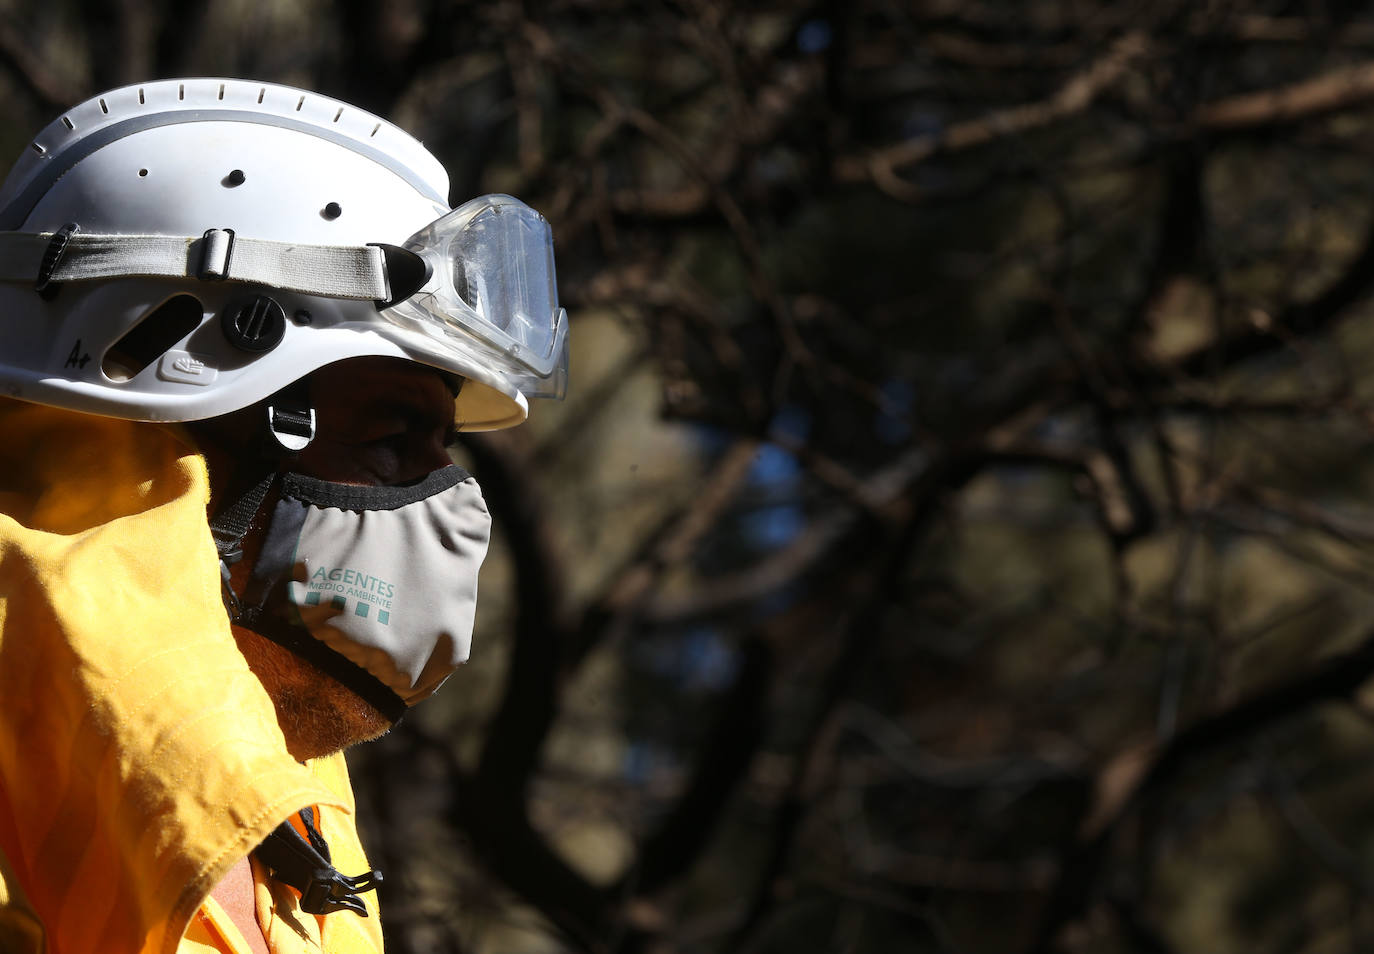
(153, 336)
(66, 121)
(299, 103)
(38, 149)
(221, 91)
(338, 114)
(141, 100)
(181, 91)
(103, 108)
(261, 93)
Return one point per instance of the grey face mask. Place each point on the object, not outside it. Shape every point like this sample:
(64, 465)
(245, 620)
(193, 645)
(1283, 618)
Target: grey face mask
(376, 585)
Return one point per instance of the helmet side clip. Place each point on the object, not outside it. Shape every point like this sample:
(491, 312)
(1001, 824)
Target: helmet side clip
(406, 273)
(52, 257)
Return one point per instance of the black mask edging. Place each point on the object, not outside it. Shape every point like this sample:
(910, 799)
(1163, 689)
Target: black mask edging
(333, 663)
(325, 493)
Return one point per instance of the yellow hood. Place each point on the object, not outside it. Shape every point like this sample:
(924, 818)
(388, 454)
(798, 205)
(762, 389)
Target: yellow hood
(139, 756)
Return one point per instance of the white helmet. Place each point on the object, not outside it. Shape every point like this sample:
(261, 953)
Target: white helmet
(185, 248)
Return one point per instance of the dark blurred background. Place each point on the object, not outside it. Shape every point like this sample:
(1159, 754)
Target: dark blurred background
(958, 535)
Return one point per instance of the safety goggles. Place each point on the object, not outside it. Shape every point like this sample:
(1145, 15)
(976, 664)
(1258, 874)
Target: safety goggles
(479, 280)
(490, 275)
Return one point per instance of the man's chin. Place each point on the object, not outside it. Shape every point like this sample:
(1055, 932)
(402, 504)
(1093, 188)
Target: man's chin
(318, 715)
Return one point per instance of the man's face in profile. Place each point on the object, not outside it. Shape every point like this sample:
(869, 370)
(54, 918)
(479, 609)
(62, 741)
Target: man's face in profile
(379, 422)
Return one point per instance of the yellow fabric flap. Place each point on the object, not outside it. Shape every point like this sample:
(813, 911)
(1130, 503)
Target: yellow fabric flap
(139, 756)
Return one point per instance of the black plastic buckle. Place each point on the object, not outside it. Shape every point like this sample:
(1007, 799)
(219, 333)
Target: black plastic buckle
(406, 272)
(216, 271)
(331, 891)
(52, 256)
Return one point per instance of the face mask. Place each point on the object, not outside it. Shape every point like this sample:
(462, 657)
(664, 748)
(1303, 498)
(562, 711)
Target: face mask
(375, 585)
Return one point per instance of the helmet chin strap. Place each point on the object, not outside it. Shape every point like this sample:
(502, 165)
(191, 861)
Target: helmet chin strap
(290, 427)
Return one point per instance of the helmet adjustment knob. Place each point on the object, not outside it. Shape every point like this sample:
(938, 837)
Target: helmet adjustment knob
(256, 326)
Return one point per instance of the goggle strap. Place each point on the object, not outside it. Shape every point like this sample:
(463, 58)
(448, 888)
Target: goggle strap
(330, 271)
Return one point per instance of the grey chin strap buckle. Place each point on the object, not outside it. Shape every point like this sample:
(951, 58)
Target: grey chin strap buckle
(52, 257)
(292, 428)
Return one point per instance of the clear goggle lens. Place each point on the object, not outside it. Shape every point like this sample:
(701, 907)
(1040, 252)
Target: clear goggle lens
(491, 276)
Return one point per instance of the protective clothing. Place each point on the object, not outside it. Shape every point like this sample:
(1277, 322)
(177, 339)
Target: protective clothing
(139, 756)
(182, 249)
(177, 251)
(285, 927)
(383, 578)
